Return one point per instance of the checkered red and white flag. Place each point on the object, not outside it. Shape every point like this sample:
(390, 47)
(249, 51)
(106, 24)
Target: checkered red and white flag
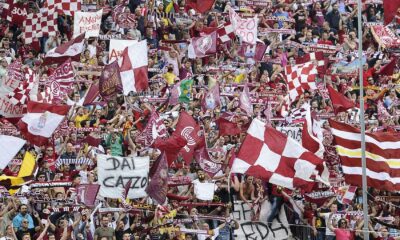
(300, 77)
(270, 155)
(134, 68)
(68, 7)
(40, 24)
(20, 95)
(226, 32)
(316, 57)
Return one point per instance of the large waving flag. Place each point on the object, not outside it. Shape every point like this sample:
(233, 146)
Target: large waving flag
(41, 120)
(71, 49)
(382, 152)
(270, 155)
(134, 68)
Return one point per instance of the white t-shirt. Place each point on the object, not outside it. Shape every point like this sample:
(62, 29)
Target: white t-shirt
(204, 191)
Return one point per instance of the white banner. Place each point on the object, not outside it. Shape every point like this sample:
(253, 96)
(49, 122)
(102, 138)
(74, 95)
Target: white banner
(293, 132)
(249, 229)
(246, 29)
(117, 47)
(87, 22)
(115, 172)
(7, 109)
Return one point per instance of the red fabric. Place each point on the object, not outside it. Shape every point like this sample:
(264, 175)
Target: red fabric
(201, 6)
(390, 8)
(308, 142)
(366, 74)
(171, 146)
(227, 127)
(340, 103)
(189, 130)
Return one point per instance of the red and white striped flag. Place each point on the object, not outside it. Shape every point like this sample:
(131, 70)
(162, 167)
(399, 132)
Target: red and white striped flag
(226, 32)
(270, 155)
(154, 129)
(71, 49)
(68, 7)
(41, 24)
(21, 94)
(382, 151)
(134, 68)
(300, 77)
(41, 120)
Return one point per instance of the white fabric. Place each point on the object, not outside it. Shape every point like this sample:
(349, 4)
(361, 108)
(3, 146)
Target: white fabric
(9, 147)
(115, 172)
(42, 124)
(117, 47)
(88, 23)
(138, 58)
(204, 191)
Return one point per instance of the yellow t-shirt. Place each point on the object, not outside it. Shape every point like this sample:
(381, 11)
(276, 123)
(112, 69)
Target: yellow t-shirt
(79, 119)
(170, 78)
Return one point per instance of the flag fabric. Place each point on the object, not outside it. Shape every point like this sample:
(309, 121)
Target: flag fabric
(154, 129)
(87, 193)
(15, 11)
(21, 94)
(200, 47)
(212, 98)
(245, 28)
(28, 165)
(270, 155)
(92, 93)
(157, 189)
(339, 101)
(9, 147)
(227, 125)
(255, 51)
(60, 83)
(41, 120)
(388, 68)
(245, 101)
(67, 7)
(308, 140)
(300, 77)
(110, 81)
(190, 131)
(134, 68)
(345, 194)
(171, 146)
(382, 151)
(71, 49)
(38, 25)
(226, 32)
(390, 8)
(202, 158)
(316, 57)
(200, 6)
(185, 90)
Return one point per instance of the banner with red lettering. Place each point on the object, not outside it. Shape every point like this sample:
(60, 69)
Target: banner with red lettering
(10, 82)
(87, 22)
(116, 49)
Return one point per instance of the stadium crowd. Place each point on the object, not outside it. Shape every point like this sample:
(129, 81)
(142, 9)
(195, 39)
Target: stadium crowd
(212, 89)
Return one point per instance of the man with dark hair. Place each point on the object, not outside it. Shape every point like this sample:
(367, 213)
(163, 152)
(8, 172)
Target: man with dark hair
(104, 231)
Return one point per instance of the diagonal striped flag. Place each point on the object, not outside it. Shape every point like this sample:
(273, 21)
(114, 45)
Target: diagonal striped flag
(382, 152)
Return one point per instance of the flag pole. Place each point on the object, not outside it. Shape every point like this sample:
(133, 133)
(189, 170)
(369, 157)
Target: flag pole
(362, 122)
